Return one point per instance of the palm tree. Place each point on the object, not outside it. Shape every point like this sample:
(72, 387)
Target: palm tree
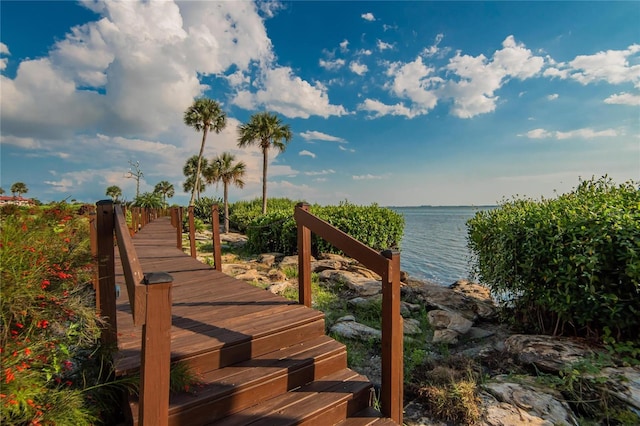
(266, 130)
(151, 200)
(189, 170)
(114, 192)
(1, 191)
(19, 188)
(166, 189)
(204, 114)
(222, 169)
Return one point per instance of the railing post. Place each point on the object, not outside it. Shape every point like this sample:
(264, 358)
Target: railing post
(179, 227)
(155, 363)
(106, 271)
(304, 261)
(391, 394)
(215, 228)
(192, 232)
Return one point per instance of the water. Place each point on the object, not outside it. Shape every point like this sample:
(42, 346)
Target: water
(434, 245)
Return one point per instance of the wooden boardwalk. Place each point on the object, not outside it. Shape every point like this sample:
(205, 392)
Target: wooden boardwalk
(262, 359)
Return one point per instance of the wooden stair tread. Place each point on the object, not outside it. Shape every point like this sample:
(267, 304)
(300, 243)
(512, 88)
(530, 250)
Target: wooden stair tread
(368, 416)
(231, 389)
(334, 396)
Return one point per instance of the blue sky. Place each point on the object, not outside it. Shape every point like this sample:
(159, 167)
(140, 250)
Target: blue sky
(398, 103)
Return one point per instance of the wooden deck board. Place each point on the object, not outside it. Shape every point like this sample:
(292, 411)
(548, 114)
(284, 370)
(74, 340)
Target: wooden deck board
(209, 310)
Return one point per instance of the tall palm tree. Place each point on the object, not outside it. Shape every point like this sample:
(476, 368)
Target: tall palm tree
(223, 169)
(19, 188)
(204, 114)
(267, 131)
(189, 170)
(166, 189)
(114, 192)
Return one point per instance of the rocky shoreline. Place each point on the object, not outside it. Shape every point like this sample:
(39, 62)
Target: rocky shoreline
(461, 336)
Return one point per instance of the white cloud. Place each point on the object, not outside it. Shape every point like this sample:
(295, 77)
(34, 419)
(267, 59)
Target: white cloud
(270, 8)
(282, 91)
(358, 68)
(623, 99)
(479, 78)
(312, 135)
(433, 49)
(381, 109)
(344, 45)
(307, 153)
(584, 133)
(321, 172)
(611, 66)
(387, 27)
(553, 97)
(342, 148)
(383, 46)
(368, 16)
(4, 50)
(417, 82)
(332, 65)
(364, 52)
(367, 177)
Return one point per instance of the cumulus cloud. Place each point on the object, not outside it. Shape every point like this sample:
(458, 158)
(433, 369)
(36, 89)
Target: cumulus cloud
(611, 66)
(584, 133)
(380, 109)
(282, 91)
(358, 68)
(553, 97)
(313, 135)
(307, 153)
(344, 45)
(478, 77)
(433, 49)
(4, 50)
(364, 52)
(368, 16)
(342, 148)
(332, 65)
(416, 82)
(623, 98)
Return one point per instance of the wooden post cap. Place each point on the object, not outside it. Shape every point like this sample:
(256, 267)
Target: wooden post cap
(157, 278)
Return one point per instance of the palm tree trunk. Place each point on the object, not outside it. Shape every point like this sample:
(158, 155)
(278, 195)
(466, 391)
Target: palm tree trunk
(226, 207)
(197, 183)
(265, 153)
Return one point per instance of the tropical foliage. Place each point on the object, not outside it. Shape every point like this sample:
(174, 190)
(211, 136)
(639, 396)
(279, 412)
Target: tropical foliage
(152, 200)
(189, 170)
(243, 213)
(568, 264)
(166, 189)
(223, 169)
(203, 115)
(267, 131)
(19, 188)
(49, 334)
(114, 192)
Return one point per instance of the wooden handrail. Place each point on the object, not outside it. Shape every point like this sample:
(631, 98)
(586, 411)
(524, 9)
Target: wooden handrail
(133, 274)
(385, 264)
(215, 230)
(150, 300)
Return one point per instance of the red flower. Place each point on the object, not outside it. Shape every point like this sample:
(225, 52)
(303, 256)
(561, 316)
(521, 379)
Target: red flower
(9, 376)
(19, 325)
(45, 284)
(27, 351)
(42, 324)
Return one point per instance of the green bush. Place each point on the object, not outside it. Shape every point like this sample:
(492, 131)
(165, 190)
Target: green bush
(242, 213)
(573, 260)
(202, 208)
(377, 227)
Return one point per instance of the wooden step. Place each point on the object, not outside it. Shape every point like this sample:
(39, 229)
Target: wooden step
(228, 390)
(368, 416)
(326, 401)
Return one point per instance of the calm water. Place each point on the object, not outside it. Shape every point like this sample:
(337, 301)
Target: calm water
(434, 246)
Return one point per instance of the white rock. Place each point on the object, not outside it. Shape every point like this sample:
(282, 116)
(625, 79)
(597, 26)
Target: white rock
(355, 330)
(440, 319)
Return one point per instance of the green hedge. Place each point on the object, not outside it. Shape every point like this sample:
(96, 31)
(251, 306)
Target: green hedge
(243, 213)
(377, 227)
(568, 264)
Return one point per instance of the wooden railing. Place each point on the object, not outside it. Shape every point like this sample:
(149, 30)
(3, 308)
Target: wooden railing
(385, 264)
(215, 228)
(150, 300)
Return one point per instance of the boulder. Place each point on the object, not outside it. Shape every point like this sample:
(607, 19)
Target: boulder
(250, 275)
(336, 257)
(535, 400)
(234, 239)
(276, 275)
(434, 296)
(471, 289)
(449, 337)
(270, 259)
(324, 264)
(626, 385)
(440, 319)
(477, 333)
(503, 414)
(367, 273)
(360, 285)
(547, 353)
(289, 261)
(411, 326)
(234, 269)
(279, 287)
(351, 329)
(363, 301)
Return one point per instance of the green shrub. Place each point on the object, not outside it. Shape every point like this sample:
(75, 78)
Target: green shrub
(570, 260)
(377, 227)
(202, 208)
(243, 213)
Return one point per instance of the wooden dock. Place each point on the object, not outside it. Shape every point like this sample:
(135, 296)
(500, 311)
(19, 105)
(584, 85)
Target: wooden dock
(261, 359)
